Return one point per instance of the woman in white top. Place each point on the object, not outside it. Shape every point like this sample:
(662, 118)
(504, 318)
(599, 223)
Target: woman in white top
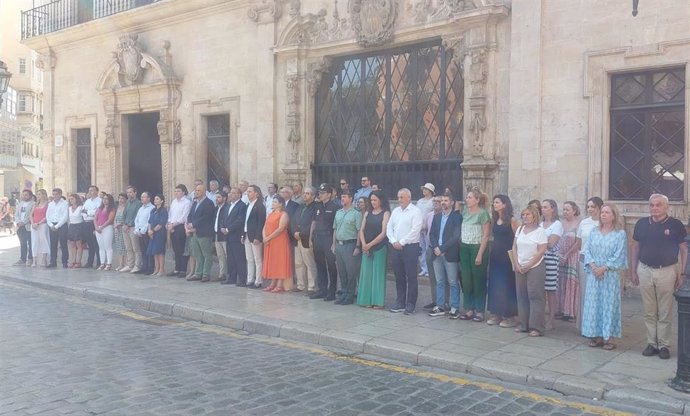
(530, 270)
(75, 231)
(554, 230)
(425, 204)
(585, 228)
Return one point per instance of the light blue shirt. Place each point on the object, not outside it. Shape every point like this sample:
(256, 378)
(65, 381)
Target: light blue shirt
(444, 219)
(141, 222)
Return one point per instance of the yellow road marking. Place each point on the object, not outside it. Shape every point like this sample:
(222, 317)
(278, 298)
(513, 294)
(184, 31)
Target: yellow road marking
(281, 342)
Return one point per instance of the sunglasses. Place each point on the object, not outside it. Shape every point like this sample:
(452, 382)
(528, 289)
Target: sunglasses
(343, 183)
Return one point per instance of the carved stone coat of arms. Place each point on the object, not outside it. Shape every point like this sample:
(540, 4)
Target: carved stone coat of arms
(373, 20)
(129, 58)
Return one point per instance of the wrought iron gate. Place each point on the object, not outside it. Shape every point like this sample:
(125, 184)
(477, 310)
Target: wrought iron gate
(83, 159)
(218, 136)
(395, 116)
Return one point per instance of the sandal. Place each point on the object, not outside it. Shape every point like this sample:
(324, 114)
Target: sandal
(277, 290)
(609, 346)
(107, 268)
(494, 321)
(478, 317)
(269, 288)
(534, 333)
(596, 343)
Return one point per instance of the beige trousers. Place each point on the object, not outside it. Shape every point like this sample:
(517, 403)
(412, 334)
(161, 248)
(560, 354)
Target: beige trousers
(657, 287)
(132, 249)
(222, 258)
(305, 268)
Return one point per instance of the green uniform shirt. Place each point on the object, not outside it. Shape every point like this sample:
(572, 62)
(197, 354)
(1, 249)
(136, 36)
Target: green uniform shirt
(347, 224)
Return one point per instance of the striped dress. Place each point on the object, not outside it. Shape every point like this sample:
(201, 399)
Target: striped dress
(551, 257)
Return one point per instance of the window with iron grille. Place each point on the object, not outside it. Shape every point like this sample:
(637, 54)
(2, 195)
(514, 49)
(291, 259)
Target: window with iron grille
(647, 144)
(218, 139)
(394, 116)
(22, 65)
(83, 137)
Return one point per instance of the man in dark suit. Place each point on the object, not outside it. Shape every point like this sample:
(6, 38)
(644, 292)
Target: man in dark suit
(218, 236)
(233, 229)
(444, 237)
(291, 209)
(200, 218)
(255, 218)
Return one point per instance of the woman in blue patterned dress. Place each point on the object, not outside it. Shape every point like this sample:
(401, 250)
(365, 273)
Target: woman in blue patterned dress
(605, 256)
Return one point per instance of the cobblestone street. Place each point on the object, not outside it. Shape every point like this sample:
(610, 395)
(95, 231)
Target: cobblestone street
(65, 355)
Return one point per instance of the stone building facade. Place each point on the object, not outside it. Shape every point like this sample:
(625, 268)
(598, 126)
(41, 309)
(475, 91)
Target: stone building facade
(162, 92)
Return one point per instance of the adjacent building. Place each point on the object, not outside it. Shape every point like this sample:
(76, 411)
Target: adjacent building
(21, 116)
(534, 98)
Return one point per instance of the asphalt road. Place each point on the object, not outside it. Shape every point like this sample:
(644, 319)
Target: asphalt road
(65, 355)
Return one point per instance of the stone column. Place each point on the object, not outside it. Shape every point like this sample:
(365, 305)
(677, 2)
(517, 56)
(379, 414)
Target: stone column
(166, 128)
(479, 165)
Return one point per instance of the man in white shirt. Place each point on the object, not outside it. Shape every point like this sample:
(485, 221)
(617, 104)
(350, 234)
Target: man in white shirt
(141, 227)
(403, 232)
(218, 237)
(243, 185)
(91, 204)
(177, 217)
(213, 188)
(268, 199)
(57, 217)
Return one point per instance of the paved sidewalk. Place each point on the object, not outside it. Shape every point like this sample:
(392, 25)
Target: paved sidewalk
(559, 361)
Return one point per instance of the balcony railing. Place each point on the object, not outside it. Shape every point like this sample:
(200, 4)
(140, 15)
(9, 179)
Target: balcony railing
(10, 147)
(61, 14)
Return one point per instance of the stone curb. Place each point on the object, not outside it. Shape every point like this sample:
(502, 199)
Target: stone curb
(565, 384)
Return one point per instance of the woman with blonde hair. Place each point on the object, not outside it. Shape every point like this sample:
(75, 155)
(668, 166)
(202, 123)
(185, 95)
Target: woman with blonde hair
(568, 284)
(606, 254)
(40, 234)
(529, 247)
(474, 256)
(554, 231)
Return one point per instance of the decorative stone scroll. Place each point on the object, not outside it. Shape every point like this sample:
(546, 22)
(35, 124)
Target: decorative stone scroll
(315, 73)
(270, 7)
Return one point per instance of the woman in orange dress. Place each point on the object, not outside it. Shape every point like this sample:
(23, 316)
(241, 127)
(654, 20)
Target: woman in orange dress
(277, 262)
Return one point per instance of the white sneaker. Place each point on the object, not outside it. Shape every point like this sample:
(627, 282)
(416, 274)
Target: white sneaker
(135, 269)
(125, 269)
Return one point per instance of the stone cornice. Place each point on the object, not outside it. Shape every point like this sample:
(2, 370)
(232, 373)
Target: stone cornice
(407, 34)
(140, 19)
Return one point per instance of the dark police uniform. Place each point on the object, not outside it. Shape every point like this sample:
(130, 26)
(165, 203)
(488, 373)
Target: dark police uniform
(327, 275)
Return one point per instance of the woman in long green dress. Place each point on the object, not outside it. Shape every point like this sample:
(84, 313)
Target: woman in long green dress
(372, 274)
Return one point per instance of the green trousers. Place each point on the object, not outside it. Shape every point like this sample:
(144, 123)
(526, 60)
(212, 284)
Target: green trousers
(473, 278)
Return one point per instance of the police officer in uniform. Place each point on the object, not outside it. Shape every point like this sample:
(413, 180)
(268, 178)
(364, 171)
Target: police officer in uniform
(322, 235)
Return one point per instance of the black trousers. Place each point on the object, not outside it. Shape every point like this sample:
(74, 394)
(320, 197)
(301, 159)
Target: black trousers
(236, 261)
(24, 244)
(93, 245)
(58, 237)
(405, 270)
(178, 240)
(148, 263)
(326, 272)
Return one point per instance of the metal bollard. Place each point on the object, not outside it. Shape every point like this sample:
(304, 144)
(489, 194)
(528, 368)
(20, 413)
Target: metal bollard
(682, 380)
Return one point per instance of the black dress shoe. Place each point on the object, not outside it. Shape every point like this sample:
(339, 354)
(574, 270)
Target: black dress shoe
(317, 295)
(171, 274)
(51, 265)
(664, 353)
(338, 301)
(650, 350)
(347, 302)
(254, 286)
(329, 298)
(241, 285)
(225, 282)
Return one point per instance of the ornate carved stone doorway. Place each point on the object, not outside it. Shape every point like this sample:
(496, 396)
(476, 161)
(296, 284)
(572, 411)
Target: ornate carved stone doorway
(136, 82)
